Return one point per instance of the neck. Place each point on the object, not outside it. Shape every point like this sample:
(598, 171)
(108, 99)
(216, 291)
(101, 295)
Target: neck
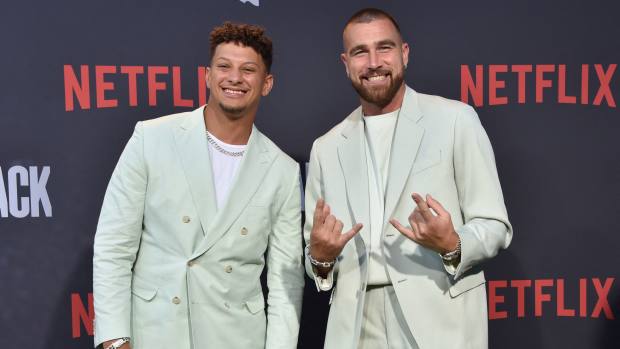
(229, 129)
(370, 109)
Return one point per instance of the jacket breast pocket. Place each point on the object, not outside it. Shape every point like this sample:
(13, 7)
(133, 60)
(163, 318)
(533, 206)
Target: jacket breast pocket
(467, 283)
(426, 160)
(257, 218)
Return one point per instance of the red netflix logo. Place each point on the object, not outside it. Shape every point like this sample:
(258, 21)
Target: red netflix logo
(541, 291)
(543, 76)
(78, 83)
(82, 315)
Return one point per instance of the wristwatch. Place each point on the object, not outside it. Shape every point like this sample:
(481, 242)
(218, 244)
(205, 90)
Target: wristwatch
(118, 343)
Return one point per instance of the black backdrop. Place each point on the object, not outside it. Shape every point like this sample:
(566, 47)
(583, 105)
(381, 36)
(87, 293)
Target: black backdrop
(558, 161)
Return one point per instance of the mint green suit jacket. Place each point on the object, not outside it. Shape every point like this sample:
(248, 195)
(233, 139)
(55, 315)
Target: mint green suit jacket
(439, 148)
(171, 270)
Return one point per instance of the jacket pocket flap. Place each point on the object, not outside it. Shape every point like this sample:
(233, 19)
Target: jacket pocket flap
(467, 283)
(256, 303)
(425, 161)
(143, 289)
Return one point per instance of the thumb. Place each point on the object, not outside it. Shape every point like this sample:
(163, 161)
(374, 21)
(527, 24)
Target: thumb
(344, 238)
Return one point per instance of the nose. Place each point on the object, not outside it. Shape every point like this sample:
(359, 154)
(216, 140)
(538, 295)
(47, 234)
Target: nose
(234, 76)
(373, 60)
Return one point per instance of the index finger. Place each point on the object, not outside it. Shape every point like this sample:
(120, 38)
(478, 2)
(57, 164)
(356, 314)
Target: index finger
(422, 206)
(436, 205)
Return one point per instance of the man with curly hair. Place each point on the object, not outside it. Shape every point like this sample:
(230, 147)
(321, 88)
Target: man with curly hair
(198, 204)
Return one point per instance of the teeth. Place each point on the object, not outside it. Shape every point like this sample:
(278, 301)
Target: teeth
(234, 92)
(376, 78)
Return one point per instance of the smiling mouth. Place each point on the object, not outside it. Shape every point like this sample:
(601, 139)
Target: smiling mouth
(376, 78)
(234, 92)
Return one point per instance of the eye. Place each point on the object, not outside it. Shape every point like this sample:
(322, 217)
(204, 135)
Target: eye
(223, 66)
(249, 70)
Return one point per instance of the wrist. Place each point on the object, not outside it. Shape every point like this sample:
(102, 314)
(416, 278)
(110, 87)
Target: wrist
(454, 253)
(322, 272)
(319, 262)
(452, 243)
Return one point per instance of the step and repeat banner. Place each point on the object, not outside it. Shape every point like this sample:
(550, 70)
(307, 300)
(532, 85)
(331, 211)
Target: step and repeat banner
(77, 75)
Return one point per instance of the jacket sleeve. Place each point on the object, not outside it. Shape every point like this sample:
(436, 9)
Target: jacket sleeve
(285, 278)
(314, 191)
(486, 227)
(117, 240)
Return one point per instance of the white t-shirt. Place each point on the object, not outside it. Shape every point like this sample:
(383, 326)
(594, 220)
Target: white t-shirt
(379, 131)
(224, 167)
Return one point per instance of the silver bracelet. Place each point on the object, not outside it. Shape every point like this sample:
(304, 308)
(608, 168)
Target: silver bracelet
(452, 255)
(318, 263)
(118, 343)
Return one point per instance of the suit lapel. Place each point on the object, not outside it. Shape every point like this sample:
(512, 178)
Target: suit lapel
(250, 174)
(407, 138)
(352, 156)
(191, 145)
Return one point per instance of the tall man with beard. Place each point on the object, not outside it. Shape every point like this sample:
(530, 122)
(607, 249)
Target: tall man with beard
(413, 176)
(197, 205)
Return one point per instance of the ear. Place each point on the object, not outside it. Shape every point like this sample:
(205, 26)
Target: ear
(405, 51)
(207, 74)
(267, 85)
(343, 58)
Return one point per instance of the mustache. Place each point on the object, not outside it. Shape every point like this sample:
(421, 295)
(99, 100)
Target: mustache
(375, 72)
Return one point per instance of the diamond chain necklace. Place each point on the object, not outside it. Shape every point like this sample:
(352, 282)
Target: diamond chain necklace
(222, 150)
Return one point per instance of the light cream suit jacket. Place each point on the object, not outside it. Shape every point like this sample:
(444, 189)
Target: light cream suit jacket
(439, 148)
(171, 270)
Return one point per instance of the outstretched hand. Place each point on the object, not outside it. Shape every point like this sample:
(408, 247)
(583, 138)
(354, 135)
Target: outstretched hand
(433, 230)
(326, 237)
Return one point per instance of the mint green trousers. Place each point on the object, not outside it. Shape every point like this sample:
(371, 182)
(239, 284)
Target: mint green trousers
(383, 325)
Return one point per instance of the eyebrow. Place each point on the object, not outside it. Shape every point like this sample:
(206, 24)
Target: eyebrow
(227, 60)
(386, 42)
(358, 47)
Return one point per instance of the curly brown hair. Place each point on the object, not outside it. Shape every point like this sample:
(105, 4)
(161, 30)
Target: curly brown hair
(246, 35)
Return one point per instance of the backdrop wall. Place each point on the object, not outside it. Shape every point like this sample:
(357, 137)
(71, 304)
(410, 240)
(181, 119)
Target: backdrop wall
(77, 76)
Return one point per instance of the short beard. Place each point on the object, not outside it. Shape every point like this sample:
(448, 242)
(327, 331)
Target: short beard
(235, 112)
(380, 97)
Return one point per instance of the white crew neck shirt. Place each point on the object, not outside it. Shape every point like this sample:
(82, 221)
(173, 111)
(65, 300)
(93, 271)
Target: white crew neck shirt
(379, 132)
(224, 167)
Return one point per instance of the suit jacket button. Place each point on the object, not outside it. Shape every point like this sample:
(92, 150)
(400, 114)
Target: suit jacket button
(176, 300)
(191, 263)
(228, 269)
(244, 231)
(186, 219)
